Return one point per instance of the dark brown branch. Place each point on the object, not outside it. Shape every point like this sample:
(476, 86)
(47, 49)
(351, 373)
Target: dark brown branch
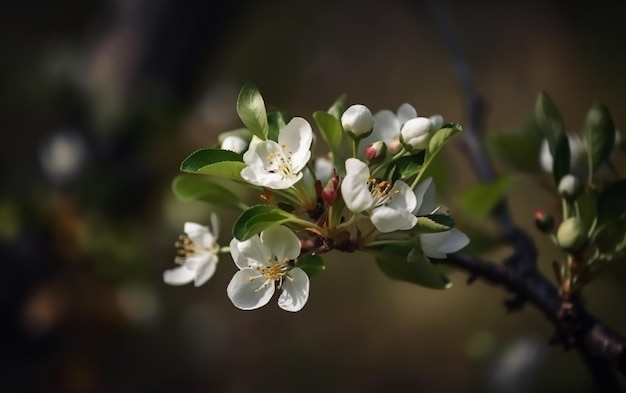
(598, 345)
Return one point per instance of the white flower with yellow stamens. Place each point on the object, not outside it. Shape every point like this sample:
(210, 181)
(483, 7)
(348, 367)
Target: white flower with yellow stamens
(279, 165)
(265, 263)
(197, 257)
(390, 207)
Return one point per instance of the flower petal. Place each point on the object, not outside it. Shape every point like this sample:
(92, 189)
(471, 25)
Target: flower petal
(426, 196)
(195, 232)
(296, 137)
(249, 290)
(206, 270)
(387, 219)
(386, 128)
(249, 253)
(295, 291)
(406, 112)
(402, 197)
(282, 243)
(455, 241)
(179, 276)
(354, 188)
(215, 225)
(431, 242)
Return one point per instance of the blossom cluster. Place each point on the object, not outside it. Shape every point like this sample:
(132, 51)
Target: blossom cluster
(365, 194)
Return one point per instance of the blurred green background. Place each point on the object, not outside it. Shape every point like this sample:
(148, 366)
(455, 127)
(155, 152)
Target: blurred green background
(102, 100)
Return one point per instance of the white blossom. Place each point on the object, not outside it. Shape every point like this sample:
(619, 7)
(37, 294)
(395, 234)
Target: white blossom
(234, 143)
(436, 245)
(198, 258)
(387, 126)
(357, 121)
(279, 165)
(389, 206)
(264, 263)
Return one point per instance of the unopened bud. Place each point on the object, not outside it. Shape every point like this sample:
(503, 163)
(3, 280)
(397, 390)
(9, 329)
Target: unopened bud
(436, 122)
(570, 187)
(544, 222)
(376, 152)
(329, 193)
(358, 121)
(415, 134)
(572, 234)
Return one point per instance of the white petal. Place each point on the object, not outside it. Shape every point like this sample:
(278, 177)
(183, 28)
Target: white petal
(282, 242)
(215, 225)
(206, 270)
(402, 197)
(426, 196)
(179, 276)
(431, 242)
(323, 170)
(405, 113)
(387, 219)
(297, 137)
(455, 241)
(354, 188)
(386, 128)
(295, 291)
(545, 156)
(234, 143)
(248, 291)
(193, 263)
(249, 253)
(195, 232)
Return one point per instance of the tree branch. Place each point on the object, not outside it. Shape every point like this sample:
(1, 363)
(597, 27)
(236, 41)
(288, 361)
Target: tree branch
(598, 345)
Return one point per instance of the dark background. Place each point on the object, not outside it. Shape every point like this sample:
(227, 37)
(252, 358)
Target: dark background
(137, 85)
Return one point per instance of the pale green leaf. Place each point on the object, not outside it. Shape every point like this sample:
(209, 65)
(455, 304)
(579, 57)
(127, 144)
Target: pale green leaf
(478, 202)
(189, 187)
(216, 162)
(251, 110)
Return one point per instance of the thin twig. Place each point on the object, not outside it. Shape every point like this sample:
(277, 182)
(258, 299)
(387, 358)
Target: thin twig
(599, 346)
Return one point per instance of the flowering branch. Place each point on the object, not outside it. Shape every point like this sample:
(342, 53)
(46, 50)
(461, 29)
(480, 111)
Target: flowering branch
(577, 328)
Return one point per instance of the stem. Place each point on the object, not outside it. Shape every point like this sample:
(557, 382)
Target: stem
(355, 147)
(393, 160)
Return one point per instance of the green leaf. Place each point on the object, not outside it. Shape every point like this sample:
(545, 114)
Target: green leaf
(276, 122)
(441, 137)
(258, 218)
(216, 162)
(519, 150)
(311, 264)
(610, 239)
(251, 110)
(338, 107)
(330, 128)
(478, 202)
(588, 207)
(612, 202)
(408, 166)
(415, 269)
(433, 223)
(600, 135)
(188, 187)
(550, 122)
(561, 162)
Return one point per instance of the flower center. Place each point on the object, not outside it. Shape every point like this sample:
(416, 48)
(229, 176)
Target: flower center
(277, 271)
(380, 190)
(280, 162)
(185, 249)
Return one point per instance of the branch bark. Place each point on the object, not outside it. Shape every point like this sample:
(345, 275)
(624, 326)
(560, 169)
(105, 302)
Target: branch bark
(602, 349)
